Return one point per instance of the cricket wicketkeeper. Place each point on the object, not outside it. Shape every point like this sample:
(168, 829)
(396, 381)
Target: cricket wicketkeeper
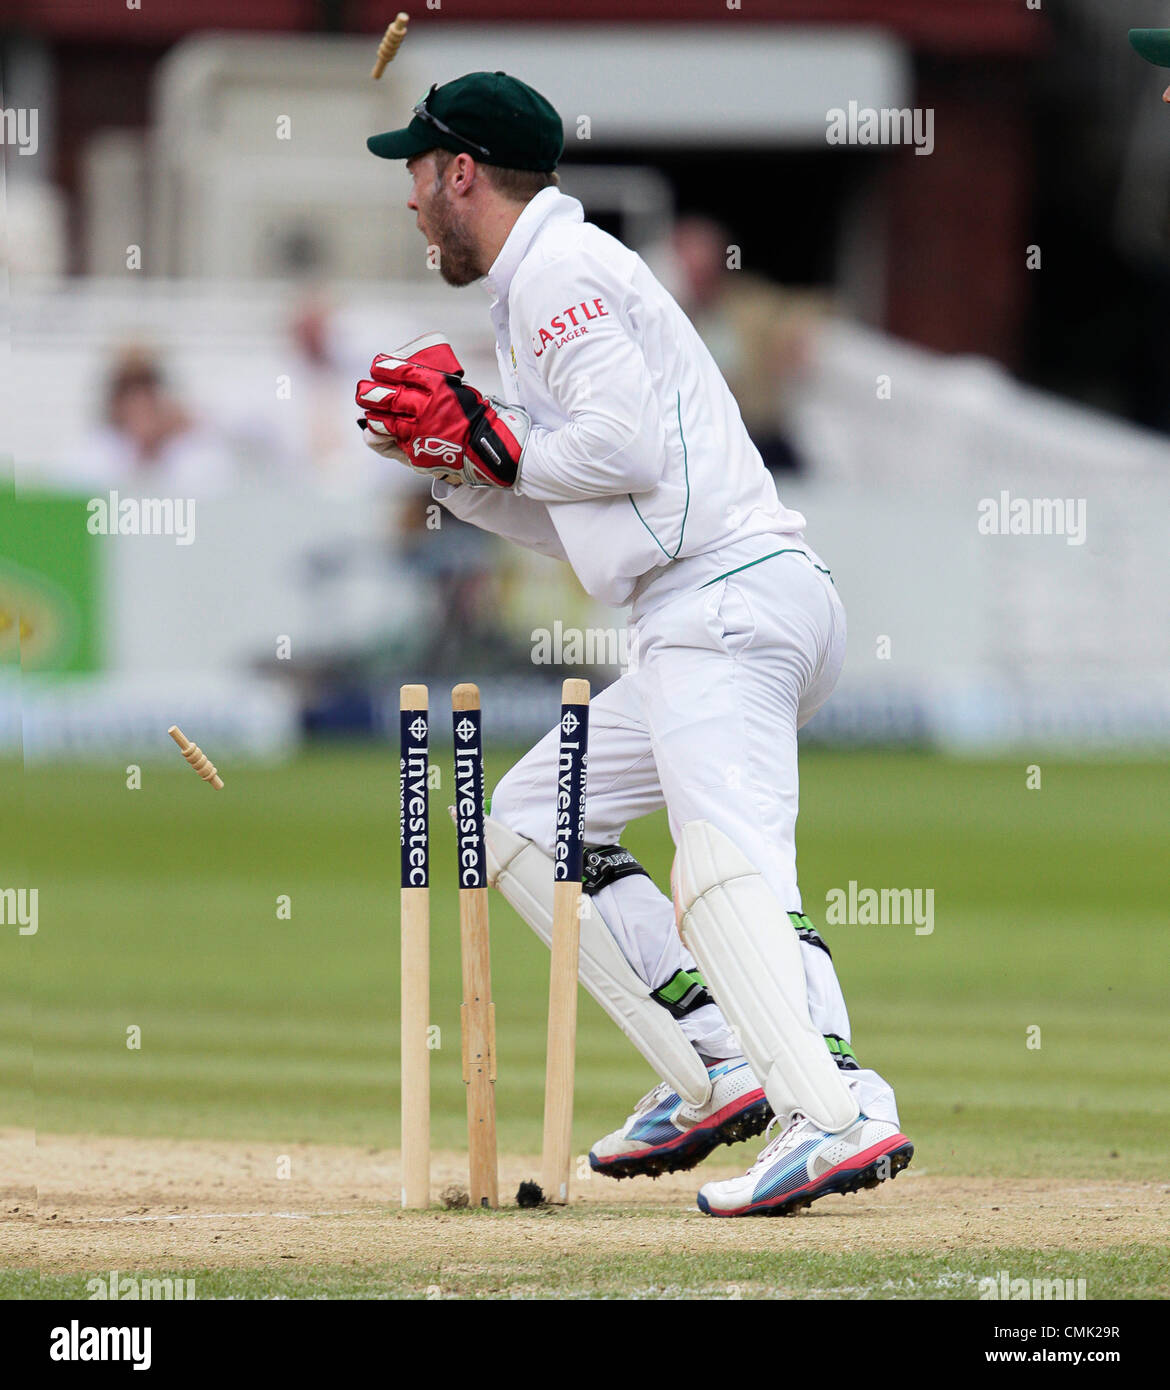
(615, 445)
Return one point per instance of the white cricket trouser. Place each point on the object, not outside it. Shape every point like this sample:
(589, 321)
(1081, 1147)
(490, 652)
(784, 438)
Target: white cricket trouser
(705, 723)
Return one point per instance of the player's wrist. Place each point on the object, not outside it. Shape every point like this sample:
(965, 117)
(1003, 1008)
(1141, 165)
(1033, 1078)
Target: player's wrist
(496, 445)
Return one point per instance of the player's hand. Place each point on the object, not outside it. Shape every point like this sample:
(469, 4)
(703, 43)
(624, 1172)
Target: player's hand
(418, 405)
(429, 350)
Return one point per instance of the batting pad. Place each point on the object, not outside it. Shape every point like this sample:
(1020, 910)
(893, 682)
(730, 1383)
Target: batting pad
(523, 872)
(733, 925)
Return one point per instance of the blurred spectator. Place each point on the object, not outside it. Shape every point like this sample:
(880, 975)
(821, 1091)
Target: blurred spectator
(149, 440)
(317, 428)
(761, 334)
(305, 432)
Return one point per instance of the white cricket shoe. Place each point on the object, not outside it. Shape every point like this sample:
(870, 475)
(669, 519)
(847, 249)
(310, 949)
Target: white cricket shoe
(805, 1162)
(665, 1135)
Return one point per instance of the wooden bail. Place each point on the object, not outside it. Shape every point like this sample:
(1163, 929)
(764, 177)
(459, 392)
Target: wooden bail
(197, 758)
(391, 43)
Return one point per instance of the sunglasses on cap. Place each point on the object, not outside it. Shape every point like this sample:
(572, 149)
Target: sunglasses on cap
(429, 118)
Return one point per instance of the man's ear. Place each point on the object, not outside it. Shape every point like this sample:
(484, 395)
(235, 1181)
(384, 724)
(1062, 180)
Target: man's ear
(466, 173)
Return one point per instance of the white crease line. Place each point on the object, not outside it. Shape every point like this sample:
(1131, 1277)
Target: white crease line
(210, 1216)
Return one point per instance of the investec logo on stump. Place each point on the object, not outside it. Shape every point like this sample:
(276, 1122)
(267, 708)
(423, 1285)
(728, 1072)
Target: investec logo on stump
(469, 802)
(572, 759)
(77, 1343)
(413, 811)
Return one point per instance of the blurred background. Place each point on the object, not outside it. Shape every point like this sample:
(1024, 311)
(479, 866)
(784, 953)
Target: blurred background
(201, 258)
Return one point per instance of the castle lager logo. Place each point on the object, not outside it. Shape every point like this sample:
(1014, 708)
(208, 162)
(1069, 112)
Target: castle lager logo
(569, 324)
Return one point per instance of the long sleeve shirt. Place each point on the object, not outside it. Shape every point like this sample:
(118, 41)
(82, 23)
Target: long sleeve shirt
(637, 457)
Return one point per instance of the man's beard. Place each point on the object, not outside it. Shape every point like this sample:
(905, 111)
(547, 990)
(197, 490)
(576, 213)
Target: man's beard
(458, 255)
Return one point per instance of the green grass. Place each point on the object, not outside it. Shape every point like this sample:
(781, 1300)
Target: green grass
(158, 909)
(1132, 1272)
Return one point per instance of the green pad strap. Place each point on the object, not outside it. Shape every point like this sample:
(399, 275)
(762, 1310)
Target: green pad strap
(804, 928)
(684, 992)
(843, 1054)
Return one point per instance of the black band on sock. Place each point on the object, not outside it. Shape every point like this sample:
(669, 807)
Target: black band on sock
(605, 864)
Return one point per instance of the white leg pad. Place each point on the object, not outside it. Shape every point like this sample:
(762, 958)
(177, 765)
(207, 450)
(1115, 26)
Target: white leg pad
(523, 872)
(734, 926)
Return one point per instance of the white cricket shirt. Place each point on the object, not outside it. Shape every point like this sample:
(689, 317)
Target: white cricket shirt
(638, 460)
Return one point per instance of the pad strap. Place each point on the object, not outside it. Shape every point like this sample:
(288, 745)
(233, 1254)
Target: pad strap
(683, 993)
(808, 933)
(605, 864)
(843, 1054)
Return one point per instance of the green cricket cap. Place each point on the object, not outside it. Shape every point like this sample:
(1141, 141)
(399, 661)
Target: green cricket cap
(1152, 44)
(493, 117)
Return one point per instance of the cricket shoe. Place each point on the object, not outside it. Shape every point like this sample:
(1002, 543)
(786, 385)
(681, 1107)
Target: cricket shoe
(666, 1135)
(805, 1162)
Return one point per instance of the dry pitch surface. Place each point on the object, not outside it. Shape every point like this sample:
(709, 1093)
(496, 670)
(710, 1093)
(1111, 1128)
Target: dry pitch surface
(81, 1205)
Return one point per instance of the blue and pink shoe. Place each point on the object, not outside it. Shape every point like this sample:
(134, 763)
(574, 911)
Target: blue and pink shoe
(805, 1162)
(665, 1135)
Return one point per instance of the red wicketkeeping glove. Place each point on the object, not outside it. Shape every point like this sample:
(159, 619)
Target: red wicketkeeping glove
(417, 401)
